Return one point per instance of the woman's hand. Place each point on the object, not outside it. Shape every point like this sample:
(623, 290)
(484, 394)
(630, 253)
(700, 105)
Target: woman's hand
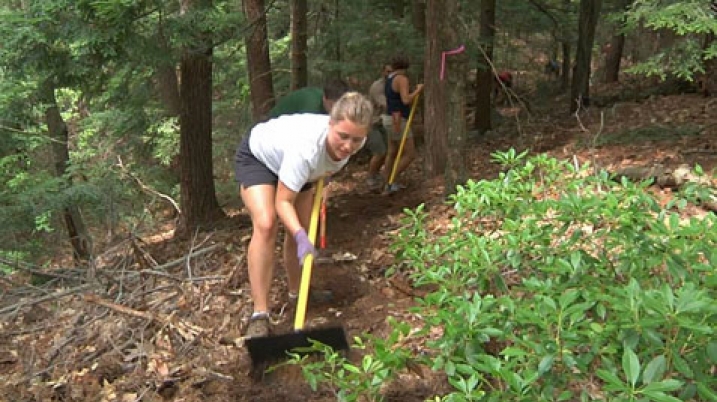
(303, 245)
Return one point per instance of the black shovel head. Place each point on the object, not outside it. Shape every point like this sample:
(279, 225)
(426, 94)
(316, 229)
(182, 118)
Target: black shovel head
(275, 347)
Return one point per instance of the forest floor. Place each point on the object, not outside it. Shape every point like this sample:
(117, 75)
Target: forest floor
(156, 328)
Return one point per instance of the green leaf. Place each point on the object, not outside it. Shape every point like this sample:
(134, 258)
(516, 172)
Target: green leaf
(706, 393)
(712, 351)
(654, 370)
(663, 386)
(631, 366)
(546, 364)
(611, 379)
(660, 396)
(682, 366)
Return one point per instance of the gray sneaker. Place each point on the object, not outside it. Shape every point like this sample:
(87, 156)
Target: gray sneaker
(317, 296)
(258, 327)
(394, 187)
(374, 181)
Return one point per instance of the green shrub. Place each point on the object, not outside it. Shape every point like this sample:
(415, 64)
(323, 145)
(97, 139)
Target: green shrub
(556, 284)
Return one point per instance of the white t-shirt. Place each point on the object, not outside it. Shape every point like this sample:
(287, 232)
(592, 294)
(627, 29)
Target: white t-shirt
(293, 146)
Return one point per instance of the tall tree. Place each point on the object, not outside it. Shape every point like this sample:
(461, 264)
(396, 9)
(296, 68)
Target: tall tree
(445, 94)
(484, 74)
(299, 68)
(198, 198)
(587, 23)
(617, 44)
(258, 60)
(57, 128)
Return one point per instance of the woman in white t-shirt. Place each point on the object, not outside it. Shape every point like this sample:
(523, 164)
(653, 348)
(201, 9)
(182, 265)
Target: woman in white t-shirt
(275, 166)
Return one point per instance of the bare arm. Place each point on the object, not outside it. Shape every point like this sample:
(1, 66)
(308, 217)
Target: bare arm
(401, 85)
(285, 209)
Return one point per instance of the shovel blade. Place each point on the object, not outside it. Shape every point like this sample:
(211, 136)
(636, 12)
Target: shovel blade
(275, 347)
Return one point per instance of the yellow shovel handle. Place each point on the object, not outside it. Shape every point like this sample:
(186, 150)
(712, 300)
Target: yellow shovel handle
(403, 139)
(308, 260)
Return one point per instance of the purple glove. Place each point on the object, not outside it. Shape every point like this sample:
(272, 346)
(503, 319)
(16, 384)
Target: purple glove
(303, 245)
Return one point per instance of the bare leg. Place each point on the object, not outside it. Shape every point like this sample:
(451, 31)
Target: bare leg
(407, 156)
(259, 200)
(390, 158)
(303, 205)
(374, 165)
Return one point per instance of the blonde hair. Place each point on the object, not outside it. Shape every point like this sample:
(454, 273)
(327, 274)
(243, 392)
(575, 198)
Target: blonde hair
(355, 107)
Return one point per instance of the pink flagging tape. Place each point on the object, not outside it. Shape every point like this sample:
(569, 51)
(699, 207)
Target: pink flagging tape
(457, 50)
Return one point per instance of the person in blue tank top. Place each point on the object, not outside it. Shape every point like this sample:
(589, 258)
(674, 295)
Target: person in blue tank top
(398, 107)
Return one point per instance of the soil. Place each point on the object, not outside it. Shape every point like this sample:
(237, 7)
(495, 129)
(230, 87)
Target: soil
(173, 342)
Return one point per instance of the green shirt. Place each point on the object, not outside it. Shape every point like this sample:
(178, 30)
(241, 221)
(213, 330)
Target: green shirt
(304, 100)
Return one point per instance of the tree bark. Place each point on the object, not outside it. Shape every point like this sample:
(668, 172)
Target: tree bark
(484, 76)
(199, 204)
(445, 96)
(57, 128)
(708, 81)
(587, 23)
(617, 45)
(258, 61)
(566, 70)
(434, 93)
(299, 68)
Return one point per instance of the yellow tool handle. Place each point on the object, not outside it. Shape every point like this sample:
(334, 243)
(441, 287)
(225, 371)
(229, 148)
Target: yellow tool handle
(308, 260)
(403, 139)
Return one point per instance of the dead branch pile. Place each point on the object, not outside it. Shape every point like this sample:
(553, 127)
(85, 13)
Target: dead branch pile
(127, 329)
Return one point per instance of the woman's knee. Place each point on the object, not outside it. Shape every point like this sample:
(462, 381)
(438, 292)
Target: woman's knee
(265, 225)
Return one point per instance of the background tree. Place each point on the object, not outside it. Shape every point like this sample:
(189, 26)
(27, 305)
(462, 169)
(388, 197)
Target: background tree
(445, 95)
(299, 73)
(485, 75)
(617, 44)
(580, 87)
(198, 198)
(258, 61)
(690, 53)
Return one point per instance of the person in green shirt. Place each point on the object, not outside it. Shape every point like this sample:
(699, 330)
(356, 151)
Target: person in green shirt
(310, 99)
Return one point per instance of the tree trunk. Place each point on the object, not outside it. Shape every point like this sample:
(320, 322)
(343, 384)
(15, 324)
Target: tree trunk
(198, 198)
(617, 45)
(258, 61)
(445, 96)
(613, 58)
(708, 82)
(484, 76)
(57, 128)
(580, 87)
(299, 68)
(434, 92)
(565, 69)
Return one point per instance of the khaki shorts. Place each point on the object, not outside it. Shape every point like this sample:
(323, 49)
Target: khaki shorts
(376, 142)
(388, 126)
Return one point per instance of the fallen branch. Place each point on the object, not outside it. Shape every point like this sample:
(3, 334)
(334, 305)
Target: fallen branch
(665, 177)
(50, 297)
(186, 331)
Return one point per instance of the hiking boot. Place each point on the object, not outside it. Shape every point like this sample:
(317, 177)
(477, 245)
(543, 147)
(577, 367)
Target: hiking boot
(374, 181)
(258, 327)
(315, 296)
(394, 187)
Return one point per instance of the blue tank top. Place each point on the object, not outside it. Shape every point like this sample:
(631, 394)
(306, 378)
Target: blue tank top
(393, 99)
